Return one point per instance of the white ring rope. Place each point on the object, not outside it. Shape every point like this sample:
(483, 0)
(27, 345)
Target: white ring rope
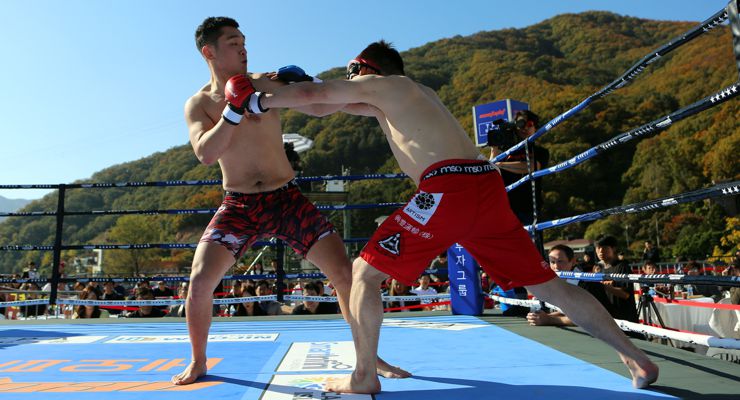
(693, 338)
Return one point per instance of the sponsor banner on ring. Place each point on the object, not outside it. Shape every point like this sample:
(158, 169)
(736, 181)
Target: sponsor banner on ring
(319, 356)
(235, 337)
(445, 326)
(50, 340)
(291, 387)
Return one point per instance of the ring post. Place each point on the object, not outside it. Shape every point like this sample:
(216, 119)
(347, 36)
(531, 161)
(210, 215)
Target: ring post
(280, 273)
(57, 246)
(465, 290)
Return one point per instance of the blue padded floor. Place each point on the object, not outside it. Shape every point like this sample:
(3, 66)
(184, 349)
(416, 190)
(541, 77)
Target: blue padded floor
(451, 357)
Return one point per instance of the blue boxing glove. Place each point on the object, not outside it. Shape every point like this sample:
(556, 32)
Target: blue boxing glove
(294, 73)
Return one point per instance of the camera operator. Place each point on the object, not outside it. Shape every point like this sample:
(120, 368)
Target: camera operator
(515, 167)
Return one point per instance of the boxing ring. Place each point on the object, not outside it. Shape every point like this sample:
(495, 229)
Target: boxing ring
(291, 357)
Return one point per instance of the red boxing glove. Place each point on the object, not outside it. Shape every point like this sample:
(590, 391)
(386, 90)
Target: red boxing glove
(241, 95)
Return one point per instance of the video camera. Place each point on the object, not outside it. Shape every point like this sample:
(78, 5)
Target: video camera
(503, 134)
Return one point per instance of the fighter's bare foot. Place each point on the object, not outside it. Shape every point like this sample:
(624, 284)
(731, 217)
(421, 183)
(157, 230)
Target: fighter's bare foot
(369, 384)
(643, 374)
(191, 374)
(390, 371)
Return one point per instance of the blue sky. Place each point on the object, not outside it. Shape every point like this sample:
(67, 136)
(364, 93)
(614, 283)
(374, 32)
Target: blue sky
(90, 84)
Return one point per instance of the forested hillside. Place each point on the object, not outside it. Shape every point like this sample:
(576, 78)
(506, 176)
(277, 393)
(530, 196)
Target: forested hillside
(552, 66)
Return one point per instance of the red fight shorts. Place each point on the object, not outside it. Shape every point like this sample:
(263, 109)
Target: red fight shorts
(458, 201)
(284, 213)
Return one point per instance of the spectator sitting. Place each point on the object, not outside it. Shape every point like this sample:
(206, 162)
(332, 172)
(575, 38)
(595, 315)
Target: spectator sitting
(236, 291)
(649, 268)
(88, 293)
(326, 307)
(249, 308)
(438, 268)
(145, 311)
(30, 272)
(109, 293)
(562, 258)
(424, 289)
(399, 289)
(256, 269)
(271, 307)
(694, 269)
(619, 293)
(162, 290)
(139, 286)
(311, 307)
(178, 310)
(35, 310)
(588, 263)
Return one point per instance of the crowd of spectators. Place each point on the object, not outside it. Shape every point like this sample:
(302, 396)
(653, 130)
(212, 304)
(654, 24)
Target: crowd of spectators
(617, 297)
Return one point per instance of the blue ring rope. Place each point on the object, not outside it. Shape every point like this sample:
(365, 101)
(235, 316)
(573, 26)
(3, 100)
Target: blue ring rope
(715, 20)
(724, 189)
(644, 131)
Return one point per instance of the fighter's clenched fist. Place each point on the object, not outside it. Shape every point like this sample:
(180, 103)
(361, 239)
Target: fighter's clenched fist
(240, 96)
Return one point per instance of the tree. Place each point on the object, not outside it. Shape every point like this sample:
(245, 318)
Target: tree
(134, 229)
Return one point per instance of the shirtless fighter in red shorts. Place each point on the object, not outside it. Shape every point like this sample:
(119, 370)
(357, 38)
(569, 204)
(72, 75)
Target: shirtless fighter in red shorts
(460, 199)
(261, 198)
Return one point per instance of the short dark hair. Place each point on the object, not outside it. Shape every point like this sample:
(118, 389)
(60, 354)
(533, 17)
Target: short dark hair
(311, 286)
(249, 290)
(385, 57)
(606, 241)
(529, 116)
(209, 31)
(144, 293)
(565, 249)
(649, 263)
(263, 282)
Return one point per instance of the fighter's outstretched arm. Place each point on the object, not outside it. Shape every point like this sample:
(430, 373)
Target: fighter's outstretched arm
(358, 90)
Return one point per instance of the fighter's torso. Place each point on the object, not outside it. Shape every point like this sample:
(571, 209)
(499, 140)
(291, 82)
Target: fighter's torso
(255, 160)
(420, 129)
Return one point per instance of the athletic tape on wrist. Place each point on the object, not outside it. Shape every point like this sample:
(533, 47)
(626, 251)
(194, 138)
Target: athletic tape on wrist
(231, 116)
(255, 106)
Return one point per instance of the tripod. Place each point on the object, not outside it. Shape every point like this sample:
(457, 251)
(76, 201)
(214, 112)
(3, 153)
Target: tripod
(646, 308)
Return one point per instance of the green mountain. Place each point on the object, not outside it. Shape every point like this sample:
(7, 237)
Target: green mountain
(552, 65)
(11, 205)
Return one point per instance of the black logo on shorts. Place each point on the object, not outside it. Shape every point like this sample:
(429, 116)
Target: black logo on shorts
(424, 201)
(391, 244)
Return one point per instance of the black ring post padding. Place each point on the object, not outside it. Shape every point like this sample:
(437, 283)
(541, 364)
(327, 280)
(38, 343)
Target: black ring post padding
(732, 10)
(280, 255)
(57, 258)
